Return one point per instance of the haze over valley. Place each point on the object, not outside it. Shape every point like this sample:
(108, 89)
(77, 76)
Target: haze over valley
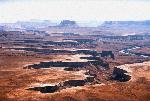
(71, 50)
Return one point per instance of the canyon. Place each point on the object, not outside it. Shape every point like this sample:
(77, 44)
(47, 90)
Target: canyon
(63, 66)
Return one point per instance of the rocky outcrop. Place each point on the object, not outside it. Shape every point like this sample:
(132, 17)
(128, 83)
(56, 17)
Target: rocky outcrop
(120, 75)
(67, 23)
(74, 65)
(63, 85)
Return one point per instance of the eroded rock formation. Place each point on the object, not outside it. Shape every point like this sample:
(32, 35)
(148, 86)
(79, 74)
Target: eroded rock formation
(120, 75)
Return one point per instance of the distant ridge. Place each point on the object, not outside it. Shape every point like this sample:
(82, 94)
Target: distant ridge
(68, 23)
(145, 23)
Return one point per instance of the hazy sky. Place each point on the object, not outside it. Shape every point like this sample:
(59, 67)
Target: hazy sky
(79, 10)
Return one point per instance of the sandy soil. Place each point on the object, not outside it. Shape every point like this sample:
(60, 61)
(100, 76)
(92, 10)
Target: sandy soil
(15, 80)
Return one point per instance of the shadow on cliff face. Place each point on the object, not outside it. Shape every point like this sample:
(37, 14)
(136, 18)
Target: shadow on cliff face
(62, 85)
(71, 65)
(74, 83)
(45, 89)
(120, 75)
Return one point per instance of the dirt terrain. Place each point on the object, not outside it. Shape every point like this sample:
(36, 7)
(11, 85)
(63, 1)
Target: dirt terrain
(35, 69)
(16, 80)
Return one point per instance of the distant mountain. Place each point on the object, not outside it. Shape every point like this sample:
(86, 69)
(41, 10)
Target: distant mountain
(36, 23)
(145, 23)
(68, 23)
(126, 27)
(68, 26)
(32, 24)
